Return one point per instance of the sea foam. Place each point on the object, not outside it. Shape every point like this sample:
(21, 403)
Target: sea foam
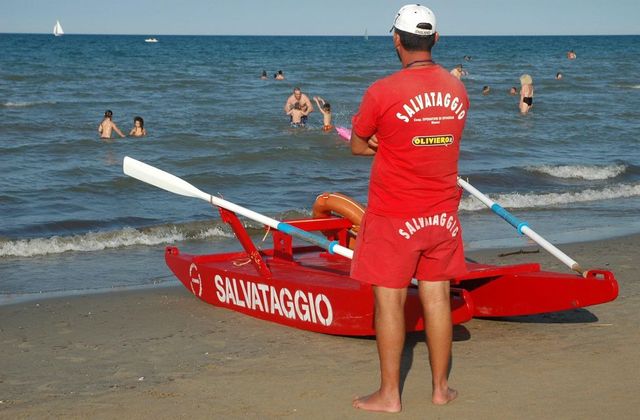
(588, 172)
(26, 104)
(519, 201)
(98, 241)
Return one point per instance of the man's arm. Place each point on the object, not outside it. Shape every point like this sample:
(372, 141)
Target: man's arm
(287, 107)
(306, 100)
(117, 130)
(363, 146)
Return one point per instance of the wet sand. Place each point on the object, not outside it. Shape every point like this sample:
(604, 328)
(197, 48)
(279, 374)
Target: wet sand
(161, 353)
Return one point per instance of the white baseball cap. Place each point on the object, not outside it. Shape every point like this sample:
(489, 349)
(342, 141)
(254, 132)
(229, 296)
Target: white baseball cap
(412, 15)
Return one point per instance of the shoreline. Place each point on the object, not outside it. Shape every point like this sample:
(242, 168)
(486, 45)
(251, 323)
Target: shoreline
(159, 352)
(17, 298)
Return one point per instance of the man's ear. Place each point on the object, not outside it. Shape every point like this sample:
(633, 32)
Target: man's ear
(396, 40)
(437, 37)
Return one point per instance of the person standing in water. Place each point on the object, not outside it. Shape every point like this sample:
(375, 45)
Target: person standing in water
(297, 116)
(458, 72)
(526, 93)
(325, 110)
(138, 129)
(107, 126)
(305, 104)
(416, 144)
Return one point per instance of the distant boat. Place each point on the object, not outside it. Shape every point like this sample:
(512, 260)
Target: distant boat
(366, 35)
(150, 40)
(57, 29)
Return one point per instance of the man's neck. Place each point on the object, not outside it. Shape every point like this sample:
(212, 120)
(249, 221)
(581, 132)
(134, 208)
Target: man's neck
(416, 59)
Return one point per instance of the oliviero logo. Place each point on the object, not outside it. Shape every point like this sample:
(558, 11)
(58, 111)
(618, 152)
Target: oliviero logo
(442, 140)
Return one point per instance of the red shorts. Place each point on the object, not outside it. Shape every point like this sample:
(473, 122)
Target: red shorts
(390, 251)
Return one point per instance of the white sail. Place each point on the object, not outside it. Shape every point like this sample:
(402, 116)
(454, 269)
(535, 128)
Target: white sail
(57, 29)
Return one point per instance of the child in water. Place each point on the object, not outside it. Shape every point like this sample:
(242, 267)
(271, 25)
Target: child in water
(526, 93)
(138, 128)
(296, 114)
(107, 126)
(325, 109)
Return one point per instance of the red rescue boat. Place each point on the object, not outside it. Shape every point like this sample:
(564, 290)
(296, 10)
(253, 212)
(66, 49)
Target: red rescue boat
(309, 287)
(306, 287)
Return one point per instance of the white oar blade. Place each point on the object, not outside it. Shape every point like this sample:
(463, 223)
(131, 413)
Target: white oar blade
(161, 179)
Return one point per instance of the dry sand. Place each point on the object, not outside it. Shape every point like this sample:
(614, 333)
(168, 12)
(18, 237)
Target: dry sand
(163, 354)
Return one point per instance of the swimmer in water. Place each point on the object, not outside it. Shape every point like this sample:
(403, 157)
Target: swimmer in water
(458, 72)
(486, 90)
(107, 126)
(296, 113)
(138, 128)
(513, 91)
(325, 109)
(526, 93)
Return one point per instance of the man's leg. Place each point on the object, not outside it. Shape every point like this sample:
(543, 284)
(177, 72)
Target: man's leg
(439, 331)
(390, 335)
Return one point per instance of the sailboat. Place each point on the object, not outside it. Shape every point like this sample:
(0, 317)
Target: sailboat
(57, 29)
(366, 34)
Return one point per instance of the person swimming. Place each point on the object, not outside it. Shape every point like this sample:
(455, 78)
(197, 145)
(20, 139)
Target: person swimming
(138, 129)
(263, 76)
(485, 90)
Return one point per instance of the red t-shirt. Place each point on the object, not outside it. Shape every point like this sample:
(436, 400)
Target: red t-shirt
(417, 115)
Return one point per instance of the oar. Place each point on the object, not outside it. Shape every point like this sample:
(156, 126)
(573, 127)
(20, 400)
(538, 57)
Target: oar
(521, 226)
(172, 183)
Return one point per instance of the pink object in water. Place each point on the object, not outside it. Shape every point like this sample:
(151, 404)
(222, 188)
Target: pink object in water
(344, 132)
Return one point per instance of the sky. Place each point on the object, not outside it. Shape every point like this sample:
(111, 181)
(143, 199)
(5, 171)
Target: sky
(319, 17)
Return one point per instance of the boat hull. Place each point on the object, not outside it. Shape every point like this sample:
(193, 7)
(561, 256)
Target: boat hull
(314, 293)
(306, 287)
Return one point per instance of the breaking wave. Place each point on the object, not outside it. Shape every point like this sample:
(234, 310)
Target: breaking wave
(98, 241)
(587, 172)
(519, 201)
(26, 104)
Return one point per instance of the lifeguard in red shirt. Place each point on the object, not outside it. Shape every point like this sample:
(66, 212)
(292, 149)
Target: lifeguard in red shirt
(412, 121)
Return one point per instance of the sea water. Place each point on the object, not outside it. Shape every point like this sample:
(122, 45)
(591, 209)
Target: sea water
(71, 221)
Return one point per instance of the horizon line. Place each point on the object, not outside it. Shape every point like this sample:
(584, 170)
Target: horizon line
(301, 35)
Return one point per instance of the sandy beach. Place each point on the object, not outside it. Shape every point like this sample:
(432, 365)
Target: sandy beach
(160, 353)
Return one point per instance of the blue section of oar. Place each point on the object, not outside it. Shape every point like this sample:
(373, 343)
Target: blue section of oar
(306, 236)
(510, 218)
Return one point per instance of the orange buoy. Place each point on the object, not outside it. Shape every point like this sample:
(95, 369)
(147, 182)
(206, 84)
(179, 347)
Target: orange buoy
(329, 203)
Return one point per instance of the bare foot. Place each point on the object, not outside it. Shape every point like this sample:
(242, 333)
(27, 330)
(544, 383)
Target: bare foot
(378, 402)
(444, 397)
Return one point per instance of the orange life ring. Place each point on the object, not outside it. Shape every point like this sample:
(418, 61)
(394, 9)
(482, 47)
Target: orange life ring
(342, 205)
